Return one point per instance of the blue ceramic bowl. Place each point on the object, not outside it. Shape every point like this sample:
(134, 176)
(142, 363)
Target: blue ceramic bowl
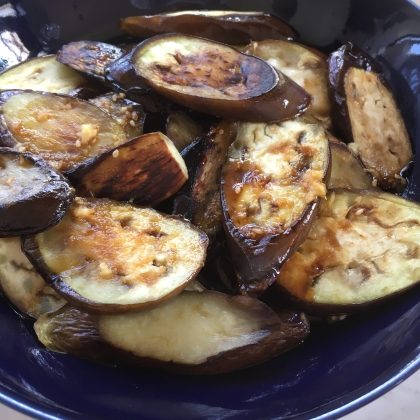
(340, 367)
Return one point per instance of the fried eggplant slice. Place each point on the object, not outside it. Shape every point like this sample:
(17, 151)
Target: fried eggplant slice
(228, 27)
(217, 79)
(89, 57)
(128, 113)
(43, 74)
(347, 171)
(33, 195)
(243, 331)
(110, 257)
(65, 131)
(145, 170)
(22, 285)
(304, 66)
(362, 249)
(182, 129)
(366, 115)
(272, 183)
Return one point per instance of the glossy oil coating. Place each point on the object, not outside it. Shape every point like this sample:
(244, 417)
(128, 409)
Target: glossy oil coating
(341, 366)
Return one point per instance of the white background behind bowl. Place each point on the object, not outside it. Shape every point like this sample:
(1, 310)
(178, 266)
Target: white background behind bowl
(400, 403)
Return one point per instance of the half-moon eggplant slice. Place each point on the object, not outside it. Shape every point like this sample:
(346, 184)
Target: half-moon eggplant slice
(217, 79)
(182, 129)
(195, 333)
(33, 195)
(272, 183)
(65, 131)
(304, 66)
(109, 257)
(146, 170)
(362, 249)
(21, 284)
(229, 27)
(89, 57)
(366, 115)
(45, 74)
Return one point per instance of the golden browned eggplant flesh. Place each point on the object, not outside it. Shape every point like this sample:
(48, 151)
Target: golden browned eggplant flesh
(208, 178)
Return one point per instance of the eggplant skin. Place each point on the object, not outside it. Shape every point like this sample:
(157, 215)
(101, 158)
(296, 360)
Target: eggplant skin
(361, 251)
(34, 196)
(188, 350)
(187, 83)
(229, 27)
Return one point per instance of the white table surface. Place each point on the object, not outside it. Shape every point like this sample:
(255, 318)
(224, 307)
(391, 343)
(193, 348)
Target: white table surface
(401, 403)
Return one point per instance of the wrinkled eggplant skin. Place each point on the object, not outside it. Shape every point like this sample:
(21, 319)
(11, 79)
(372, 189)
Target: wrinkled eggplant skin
(89, 57)
(233, 28)
(145, 179)
(339, 62)
(77, 332)
(39, 212)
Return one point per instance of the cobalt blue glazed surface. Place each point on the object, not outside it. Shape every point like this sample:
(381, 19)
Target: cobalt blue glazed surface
(341, 366)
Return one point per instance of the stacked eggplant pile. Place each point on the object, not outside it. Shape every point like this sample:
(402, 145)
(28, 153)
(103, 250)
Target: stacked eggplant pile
(160, 199)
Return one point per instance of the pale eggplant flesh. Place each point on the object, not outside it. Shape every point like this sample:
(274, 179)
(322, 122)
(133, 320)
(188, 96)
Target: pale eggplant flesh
(108, 257)
(182, 68)
(362, 250)
(229, 27)
(65, 131)
(272, 183)
(145, 170)
(33, 195)
(243, 331)
(365, 114)
(21, 285)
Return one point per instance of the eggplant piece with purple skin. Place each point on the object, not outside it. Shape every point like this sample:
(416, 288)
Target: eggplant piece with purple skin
(111, 257)
(89, 57)
(365, 114)
(217, 79)
(145, 170)
(33, 195)
(228, 27)
(272, 183)
(65, 131)
(244, 332)
(362, 250)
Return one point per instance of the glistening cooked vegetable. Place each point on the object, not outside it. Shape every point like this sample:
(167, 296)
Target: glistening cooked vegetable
(250, 170)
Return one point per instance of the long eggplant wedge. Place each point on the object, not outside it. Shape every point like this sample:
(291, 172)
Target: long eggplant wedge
(229, 27)
(304, 66)
(272, 184)
(65, 131)
(195, 333)
(217, 79)
(109, 257)
(366, 115)
(145, 170)
(33, 195)
(24, 288)
(362, 250)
